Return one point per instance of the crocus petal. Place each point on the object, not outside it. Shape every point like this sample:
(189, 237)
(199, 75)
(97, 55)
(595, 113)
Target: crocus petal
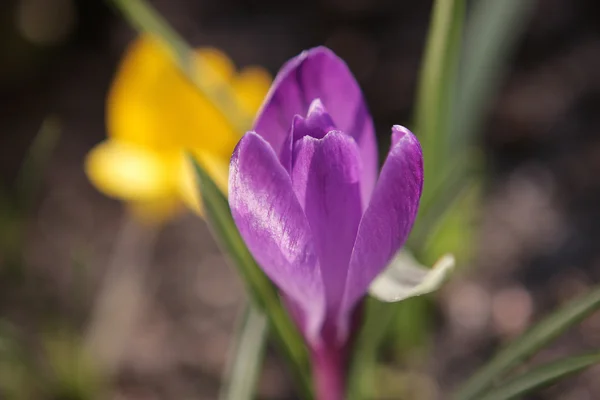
(316, 124)
(129, 172)
(404, 277)
(155, 212)
(319, 74)
(389, 215)
(250, 86)
(326, 179)
(274, 227)
(153, 105)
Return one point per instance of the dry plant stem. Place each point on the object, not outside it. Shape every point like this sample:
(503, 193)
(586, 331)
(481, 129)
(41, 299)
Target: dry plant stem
(120, 298)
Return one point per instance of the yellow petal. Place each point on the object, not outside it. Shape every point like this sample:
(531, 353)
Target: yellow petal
(217, 168)
(251, 87)
(128, 172)
(155, 212)
(152, 104)
(220, 67)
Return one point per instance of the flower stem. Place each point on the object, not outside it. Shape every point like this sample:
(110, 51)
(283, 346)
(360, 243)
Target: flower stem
(121, 295)
(328, 374)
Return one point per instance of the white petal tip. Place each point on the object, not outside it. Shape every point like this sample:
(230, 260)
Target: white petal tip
(405, 278)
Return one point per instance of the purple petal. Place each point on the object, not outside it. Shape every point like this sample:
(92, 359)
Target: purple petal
(326, 178)
(320, 74)
(316, 124)
(272, 223)
(389, 216)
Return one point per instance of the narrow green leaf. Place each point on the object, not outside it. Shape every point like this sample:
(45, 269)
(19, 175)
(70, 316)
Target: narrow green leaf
(541, 376)
(529, 343)
(18, 379)
(450, 108)
(433, 110)
(147, 20)
(260, 288)
(437, 83)
(378, 316)
(246, 356)
(491, 34)
(37, 158)
(436, 213)
(74, 374)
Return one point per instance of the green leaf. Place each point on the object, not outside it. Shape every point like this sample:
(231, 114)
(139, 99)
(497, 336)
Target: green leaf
(491, 34)
(16, 204)
(451, 105)
(433, 110)
(541, 376)
(260, 288)
(74, 374)
(437, 83)
(208, 82)
(35, 163)
(246, 356)
(18, 379)
(453, 229)
(529, 343)
(377, 317)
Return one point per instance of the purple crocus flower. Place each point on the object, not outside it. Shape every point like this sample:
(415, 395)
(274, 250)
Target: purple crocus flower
(306, 198)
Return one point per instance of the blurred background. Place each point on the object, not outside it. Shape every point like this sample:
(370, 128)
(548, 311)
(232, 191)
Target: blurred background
(538, 233)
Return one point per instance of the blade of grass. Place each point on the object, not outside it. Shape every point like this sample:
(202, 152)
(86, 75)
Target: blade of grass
(541, 376)
(378, 315)
(246, 356)
(529, 343)
(435, 94)
(491, 34)
(437, 84)
(17, 375)
(490, 37)
(260, 288)
(446, 130)
(30, 173)
(147, 20)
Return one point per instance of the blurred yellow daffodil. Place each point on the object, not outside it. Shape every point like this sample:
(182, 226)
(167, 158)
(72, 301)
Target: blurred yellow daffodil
(154, 116)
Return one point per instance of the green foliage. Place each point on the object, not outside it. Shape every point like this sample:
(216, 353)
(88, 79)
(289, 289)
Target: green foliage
(457, 84)
(437, 84)
(261, 290)
(455, 229)
(433, 112)
(541, 376)
(459, 79)
(16, 201)
(492, 31)
(61, 370)
(528, 344)
(37, 158)
(70, 373)
(246, 356)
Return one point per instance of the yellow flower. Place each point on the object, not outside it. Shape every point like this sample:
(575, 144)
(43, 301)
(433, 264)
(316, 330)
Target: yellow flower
(154, 115)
